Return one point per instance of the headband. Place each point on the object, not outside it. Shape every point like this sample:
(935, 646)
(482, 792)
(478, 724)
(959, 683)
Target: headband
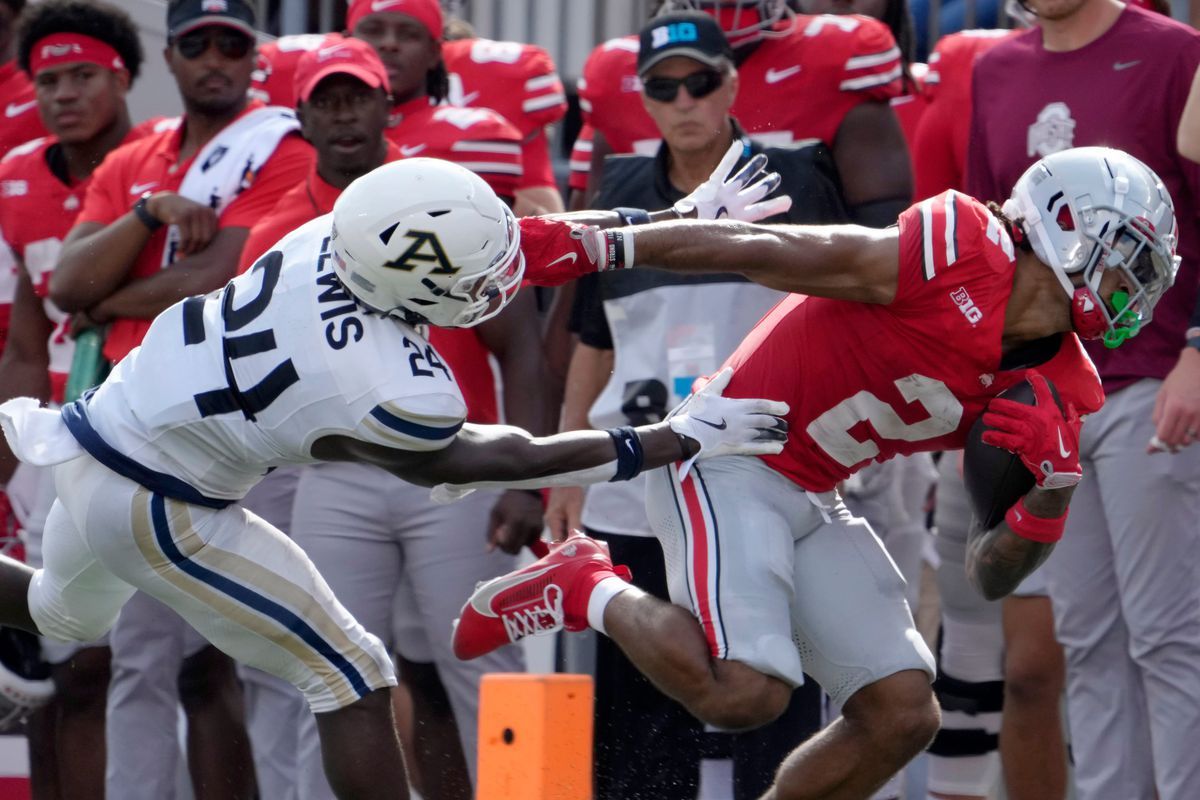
(70, 48)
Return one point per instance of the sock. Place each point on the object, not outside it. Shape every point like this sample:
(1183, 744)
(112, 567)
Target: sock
(602, 595)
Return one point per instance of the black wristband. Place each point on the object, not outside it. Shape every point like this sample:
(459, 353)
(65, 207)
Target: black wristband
(144, 216)
(629, 453)
(633, 216)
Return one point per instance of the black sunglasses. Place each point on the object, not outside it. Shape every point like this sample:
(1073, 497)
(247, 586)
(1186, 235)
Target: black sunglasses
(698, 84)
(230, 43)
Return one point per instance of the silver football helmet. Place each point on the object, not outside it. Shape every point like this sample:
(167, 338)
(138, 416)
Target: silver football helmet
(427, 241)
(742, 20)
(1091, 209)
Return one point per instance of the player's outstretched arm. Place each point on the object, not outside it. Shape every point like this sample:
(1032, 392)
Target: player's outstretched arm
(500, 455)
(999, 559)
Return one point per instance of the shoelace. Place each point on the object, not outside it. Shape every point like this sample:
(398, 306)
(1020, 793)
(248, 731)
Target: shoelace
(536, 619)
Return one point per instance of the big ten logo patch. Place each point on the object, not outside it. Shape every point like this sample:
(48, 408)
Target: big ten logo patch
(674, 33)
(966, 305)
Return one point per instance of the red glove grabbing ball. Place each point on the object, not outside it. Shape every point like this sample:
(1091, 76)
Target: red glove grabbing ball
(557, 251)
(1043, 437)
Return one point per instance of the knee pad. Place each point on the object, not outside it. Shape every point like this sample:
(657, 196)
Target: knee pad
(964, 756)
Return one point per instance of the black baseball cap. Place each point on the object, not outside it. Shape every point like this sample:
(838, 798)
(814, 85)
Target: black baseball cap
(693, 34)
(187, 15)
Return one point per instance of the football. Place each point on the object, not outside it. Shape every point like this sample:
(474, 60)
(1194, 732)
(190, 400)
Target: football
(995, 478)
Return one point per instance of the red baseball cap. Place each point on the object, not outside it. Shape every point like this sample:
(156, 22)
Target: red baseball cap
(427, 12)
(339, 54)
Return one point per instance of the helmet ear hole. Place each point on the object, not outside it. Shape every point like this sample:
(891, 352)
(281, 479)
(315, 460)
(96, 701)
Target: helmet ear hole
(1064, 219)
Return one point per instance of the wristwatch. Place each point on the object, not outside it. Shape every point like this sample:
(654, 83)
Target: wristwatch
(143, 214)
(1193, 337)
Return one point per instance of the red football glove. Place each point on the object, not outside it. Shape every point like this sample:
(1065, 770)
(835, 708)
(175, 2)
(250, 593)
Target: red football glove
(557, 251)
(1045, 439)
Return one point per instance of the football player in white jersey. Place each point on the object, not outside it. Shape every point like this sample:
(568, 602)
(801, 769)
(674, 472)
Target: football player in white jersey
(310, 355)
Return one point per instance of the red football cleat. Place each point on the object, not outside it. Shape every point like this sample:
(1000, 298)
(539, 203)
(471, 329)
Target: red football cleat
(548, 595)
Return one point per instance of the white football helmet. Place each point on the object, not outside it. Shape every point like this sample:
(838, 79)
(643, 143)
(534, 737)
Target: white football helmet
(1090, 209)
(742, 20)
(426, 240)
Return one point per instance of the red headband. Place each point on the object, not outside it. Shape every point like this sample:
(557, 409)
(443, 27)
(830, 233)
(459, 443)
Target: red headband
(70, 48)
(427, 12)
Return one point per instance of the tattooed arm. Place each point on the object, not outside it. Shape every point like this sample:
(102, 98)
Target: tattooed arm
(998, 560)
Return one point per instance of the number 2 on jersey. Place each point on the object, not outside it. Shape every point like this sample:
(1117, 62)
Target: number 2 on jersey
(831, 430)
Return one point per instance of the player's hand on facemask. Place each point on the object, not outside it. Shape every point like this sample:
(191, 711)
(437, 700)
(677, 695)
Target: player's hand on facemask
(557, 251)
(726, 426)
(1043, 437)
(737, 195)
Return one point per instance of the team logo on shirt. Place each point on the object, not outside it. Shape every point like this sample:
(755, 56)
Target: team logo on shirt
(966, 305)
(1053, 132)
(14, 188)
(424, 249)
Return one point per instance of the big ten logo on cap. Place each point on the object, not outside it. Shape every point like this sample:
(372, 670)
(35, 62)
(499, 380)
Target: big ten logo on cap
(214, 6)
(673, 34)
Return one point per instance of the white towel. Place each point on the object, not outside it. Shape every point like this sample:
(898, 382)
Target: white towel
(230, 161)
(37, 436)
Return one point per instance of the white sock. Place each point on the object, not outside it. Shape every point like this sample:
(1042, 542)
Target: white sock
(602, 595)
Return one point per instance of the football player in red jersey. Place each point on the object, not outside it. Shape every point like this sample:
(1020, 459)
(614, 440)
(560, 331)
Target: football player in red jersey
(407, 34)
(520, 82)
(273, 79)
(899, 349)
(802, 77)
(939, 147)
(21, 121)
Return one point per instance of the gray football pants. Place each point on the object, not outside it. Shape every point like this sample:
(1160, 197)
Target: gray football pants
(1125, 584)
(149, 643)
(403, 566)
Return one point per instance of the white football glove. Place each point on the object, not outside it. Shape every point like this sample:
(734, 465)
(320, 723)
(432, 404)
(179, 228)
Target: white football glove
(726, 426)
(740, 196)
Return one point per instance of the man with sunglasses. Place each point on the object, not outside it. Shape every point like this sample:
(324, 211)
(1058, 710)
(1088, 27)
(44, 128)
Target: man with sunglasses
(643, 338)
(802, 77)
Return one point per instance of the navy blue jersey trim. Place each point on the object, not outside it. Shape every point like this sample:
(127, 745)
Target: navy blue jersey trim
(75, 416)
(413, 429)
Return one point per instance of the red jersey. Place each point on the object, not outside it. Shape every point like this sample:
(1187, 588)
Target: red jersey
(939, 145)
(791, 87)
(273, 79)
(1125, 90)
(517, 81)
(37, 210)
(869, 382)
(8, 289)
(152, 164)
(461, 348)
(476, 138)
(910, 106)
(21, 119)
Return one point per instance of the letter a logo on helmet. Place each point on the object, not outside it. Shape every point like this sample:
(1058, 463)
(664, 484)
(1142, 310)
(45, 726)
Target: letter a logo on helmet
(414, 256)
(426, 240)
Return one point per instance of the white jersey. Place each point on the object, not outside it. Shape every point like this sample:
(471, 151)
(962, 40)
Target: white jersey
(226, 386)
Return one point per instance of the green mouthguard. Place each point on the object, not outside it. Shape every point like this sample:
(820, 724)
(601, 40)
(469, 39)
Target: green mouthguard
(1127, 323)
